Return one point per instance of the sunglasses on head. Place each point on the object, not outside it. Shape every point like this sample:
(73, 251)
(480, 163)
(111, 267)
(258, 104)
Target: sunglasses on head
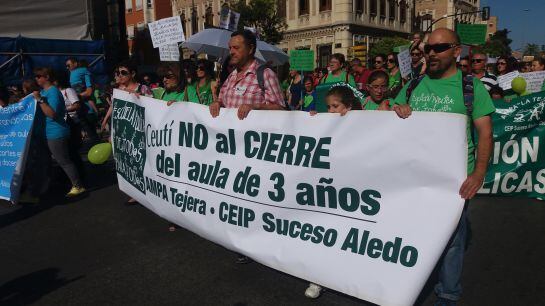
(477, 60)
(121, 72)
(438, 48)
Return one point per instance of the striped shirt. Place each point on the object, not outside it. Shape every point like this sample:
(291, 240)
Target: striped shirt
(489, 80)
(244, 89)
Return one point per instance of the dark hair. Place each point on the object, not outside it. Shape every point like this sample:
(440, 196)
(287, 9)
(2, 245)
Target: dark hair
(381, 55)
(130, 65)
(339, 57)
(249, 38)
(72, 59)
(4, 94)
(511, 63)
(395, 58)
(356, 61)
(378, 74)
(346, 96)
(62, 79)
(45, 71)
(540, 60)
(207, 66)
(29, 86)
(496, 90)
(190, 70)
(175, 69)
(465, 58)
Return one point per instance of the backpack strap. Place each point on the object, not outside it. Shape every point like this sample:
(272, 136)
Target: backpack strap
(260, 71)
(412, 85)
(468, 90)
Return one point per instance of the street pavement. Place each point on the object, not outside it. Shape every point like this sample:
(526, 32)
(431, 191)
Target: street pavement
(97, 251)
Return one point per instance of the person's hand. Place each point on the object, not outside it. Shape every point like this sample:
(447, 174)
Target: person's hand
(312, 113)
(169, 103)
(214, 109)
(344, 112)
(471, 185)
(403, 111)
(384, 106)
(244, 110)
(36, 95)
(103, 126)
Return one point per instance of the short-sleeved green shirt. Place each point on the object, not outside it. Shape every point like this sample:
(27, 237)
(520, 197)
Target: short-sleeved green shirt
(191, 93)
(330, 78)
(173, 96)
(369, 104)
(446, 95)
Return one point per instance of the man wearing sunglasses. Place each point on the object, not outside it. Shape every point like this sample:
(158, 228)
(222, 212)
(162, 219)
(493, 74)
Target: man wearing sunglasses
(441, 90)
(478, 65)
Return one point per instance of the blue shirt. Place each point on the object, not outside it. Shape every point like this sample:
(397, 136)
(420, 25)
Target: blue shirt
(80, 79)
(56, 127)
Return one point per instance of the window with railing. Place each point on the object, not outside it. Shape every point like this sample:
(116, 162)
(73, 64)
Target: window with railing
(325, 5)
(373, 8)
(194, 22)
(304, 7)
(383, 8)
(208, 18)
(360, 6)
(402, 11)
(393, 9)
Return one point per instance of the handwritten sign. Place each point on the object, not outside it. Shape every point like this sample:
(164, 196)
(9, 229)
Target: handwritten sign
(471, 34)
(505, 80)
(169, 53)
(229, 19)
(166, 31)
(534, 80)
(302, 60)
(404, 59)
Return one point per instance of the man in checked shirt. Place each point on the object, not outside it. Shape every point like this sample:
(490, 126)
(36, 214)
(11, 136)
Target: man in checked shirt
(241, 89)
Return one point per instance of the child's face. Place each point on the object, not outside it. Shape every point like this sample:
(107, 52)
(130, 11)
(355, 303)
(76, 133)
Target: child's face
(377, 89)
(334, 105)
(308, 86)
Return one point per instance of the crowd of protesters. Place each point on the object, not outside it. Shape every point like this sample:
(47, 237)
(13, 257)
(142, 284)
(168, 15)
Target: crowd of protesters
(71, 109)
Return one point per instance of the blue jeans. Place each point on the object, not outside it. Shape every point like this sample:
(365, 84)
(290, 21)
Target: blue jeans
(450, 274)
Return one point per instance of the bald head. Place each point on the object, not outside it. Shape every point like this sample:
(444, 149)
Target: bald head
(444, 35)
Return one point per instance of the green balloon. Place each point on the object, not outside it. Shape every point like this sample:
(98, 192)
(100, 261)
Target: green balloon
(525, 93)
(100, 153)
(518, 85)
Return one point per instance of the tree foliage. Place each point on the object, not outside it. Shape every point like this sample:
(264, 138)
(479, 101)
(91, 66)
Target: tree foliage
(498, 44)
(532, 49)
(261, 14)
(386, 45)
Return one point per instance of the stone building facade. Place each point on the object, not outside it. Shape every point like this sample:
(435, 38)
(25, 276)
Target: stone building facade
(429, 10)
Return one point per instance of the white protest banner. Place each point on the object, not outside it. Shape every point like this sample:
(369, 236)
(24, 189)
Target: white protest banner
(504, 81)
(229, 19)
(169, 53)
(302, 194)
(166, 31)
(404, 59)
(534, 80)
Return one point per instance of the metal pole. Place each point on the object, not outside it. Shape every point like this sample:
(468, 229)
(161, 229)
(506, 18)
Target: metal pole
(10, 60)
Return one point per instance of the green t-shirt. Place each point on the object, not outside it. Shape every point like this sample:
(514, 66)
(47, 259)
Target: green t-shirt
(205, 93)
(446, 95)
(395, 80)
(172, 96)
(330, 78)
(191, 93)
(543, 86)
(370, 104)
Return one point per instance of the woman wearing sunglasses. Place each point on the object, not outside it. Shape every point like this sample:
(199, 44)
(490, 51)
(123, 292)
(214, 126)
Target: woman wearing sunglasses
(505, 65)
(174, 83)
(394, 82)
(205, 85)
(379, 62)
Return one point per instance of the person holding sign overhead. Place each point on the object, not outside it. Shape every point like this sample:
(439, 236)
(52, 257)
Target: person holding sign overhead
(336, 72)
(242, 88)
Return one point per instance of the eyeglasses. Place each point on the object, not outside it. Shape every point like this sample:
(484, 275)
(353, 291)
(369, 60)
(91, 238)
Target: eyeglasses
(416, 54)
(121, 72)
(502, 63)
(391, 61)
(438, 48)
(378, 62)
(38, 76)
(464, 66)
(378, 87)
(477, 60)
(169, 76)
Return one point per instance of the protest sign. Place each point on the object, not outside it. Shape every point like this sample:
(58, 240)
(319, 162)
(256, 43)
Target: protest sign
(169, 53)
(471, 34)
(229, 19)
(15, 130)
(293, 191)
(302, 60)
(166, 31)
(504, 81)
(534, 80)
(517, 166)
(404, 60)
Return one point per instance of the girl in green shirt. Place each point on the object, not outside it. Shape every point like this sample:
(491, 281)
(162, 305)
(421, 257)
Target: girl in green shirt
(205, 85)
(394, 83)
(336, 71)
(174, 83)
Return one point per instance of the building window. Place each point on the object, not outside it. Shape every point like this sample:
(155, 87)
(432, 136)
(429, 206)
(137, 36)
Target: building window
(360, 6)
(130, 32)
(208, 18)
(303, 7)
(194, 23)
(373, 8)
(184, 26)
(392, 9)
(383, 8)
(325, 5)
(402, 11)
(128, 5)
(149, 3)
(138, 4)
(281, 8)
